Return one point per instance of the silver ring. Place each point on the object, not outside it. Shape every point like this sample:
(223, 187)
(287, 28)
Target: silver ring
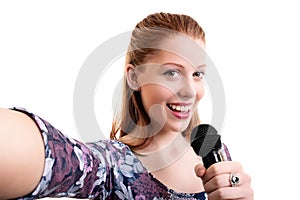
(234, 180)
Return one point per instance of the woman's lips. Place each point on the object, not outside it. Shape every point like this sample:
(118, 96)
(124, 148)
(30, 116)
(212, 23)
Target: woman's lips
(180, 110)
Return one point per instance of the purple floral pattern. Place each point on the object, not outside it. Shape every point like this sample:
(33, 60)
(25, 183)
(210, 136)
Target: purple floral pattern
(107, 169)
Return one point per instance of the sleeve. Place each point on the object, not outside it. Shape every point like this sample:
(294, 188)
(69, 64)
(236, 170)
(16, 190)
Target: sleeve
(226, 152)
(71, 168)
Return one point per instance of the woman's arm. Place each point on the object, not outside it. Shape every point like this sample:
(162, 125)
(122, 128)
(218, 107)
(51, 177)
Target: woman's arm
(21, 154)
(37, 161)
(40, 161)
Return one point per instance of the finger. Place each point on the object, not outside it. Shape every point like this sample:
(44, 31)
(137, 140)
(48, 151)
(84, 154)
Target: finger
(217, 182)
(219, 168)
(200, 170)
(223, 181)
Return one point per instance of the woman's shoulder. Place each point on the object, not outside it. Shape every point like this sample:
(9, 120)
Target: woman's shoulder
(117, 154)
(110, 144)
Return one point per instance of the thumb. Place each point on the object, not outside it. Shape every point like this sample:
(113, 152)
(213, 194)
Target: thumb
(200, 170)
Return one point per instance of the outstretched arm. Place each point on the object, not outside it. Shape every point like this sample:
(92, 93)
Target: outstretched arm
(21, 154)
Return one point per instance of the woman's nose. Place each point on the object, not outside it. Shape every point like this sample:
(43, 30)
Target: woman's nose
(187, 89)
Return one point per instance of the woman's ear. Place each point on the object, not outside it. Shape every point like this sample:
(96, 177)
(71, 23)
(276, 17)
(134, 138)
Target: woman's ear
(132, 77)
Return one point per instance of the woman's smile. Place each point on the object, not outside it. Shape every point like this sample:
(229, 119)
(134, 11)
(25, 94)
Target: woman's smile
(180, 110)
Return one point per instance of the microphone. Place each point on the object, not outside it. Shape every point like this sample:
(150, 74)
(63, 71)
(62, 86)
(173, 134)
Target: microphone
(206, 143)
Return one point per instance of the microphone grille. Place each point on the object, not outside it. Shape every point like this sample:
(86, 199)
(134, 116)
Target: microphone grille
(205, 138)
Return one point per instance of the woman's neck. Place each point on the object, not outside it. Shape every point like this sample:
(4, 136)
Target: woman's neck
(162, 140)
(162, 151)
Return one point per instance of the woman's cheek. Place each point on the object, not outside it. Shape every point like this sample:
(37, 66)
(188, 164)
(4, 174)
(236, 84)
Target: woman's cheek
(200, 91)
(155, 94)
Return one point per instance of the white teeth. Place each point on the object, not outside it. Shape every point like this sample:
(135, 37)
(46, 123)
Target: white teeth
(180, 108)
(185, 108)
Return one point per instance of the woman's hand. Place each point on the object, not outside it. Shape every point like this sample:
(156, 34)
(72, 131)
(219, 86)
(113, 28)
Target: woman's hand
(217, 184)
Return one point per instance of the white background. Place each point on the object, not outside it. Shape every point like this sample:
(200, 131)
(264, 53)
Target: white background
(254, 44)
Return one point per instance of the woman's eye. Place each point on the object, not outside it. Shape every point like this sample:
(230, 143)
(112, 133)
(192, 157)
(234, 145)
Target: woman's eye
(172, 74)
(199, 74)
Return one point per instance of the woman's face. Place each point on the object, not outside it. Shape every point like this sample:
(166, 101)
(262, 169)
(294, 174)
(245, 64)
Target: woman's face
(173, 84)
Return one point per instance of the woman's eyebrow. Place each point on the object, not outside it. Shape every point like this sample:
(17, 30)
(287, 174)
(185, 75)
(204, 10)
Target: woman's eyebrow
(171, 63)
(201, 66)
(179, 65)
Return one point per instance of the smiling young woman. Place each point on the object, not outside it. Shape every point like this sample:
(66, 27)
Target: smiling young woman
(148, 155)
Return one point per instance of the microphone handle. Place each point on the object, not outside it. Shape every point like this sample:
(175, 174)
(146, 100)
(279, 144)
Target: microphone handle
(214, 156)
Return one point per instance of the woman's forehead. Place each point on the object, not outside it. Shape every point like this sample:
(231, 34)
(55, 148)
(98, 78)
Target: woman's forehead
(183, 47)
(164, 57)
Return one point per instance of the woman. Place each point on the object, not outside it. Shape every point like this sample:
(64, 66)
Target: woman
(149, 156)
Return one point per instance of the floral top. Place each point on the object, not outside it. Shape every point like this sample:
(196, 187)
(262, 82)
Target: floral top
(107, 169)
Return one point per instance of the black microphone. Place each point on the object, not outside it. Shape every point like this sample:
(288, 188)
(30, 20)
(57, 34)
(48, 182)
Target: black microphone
(206, 143)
